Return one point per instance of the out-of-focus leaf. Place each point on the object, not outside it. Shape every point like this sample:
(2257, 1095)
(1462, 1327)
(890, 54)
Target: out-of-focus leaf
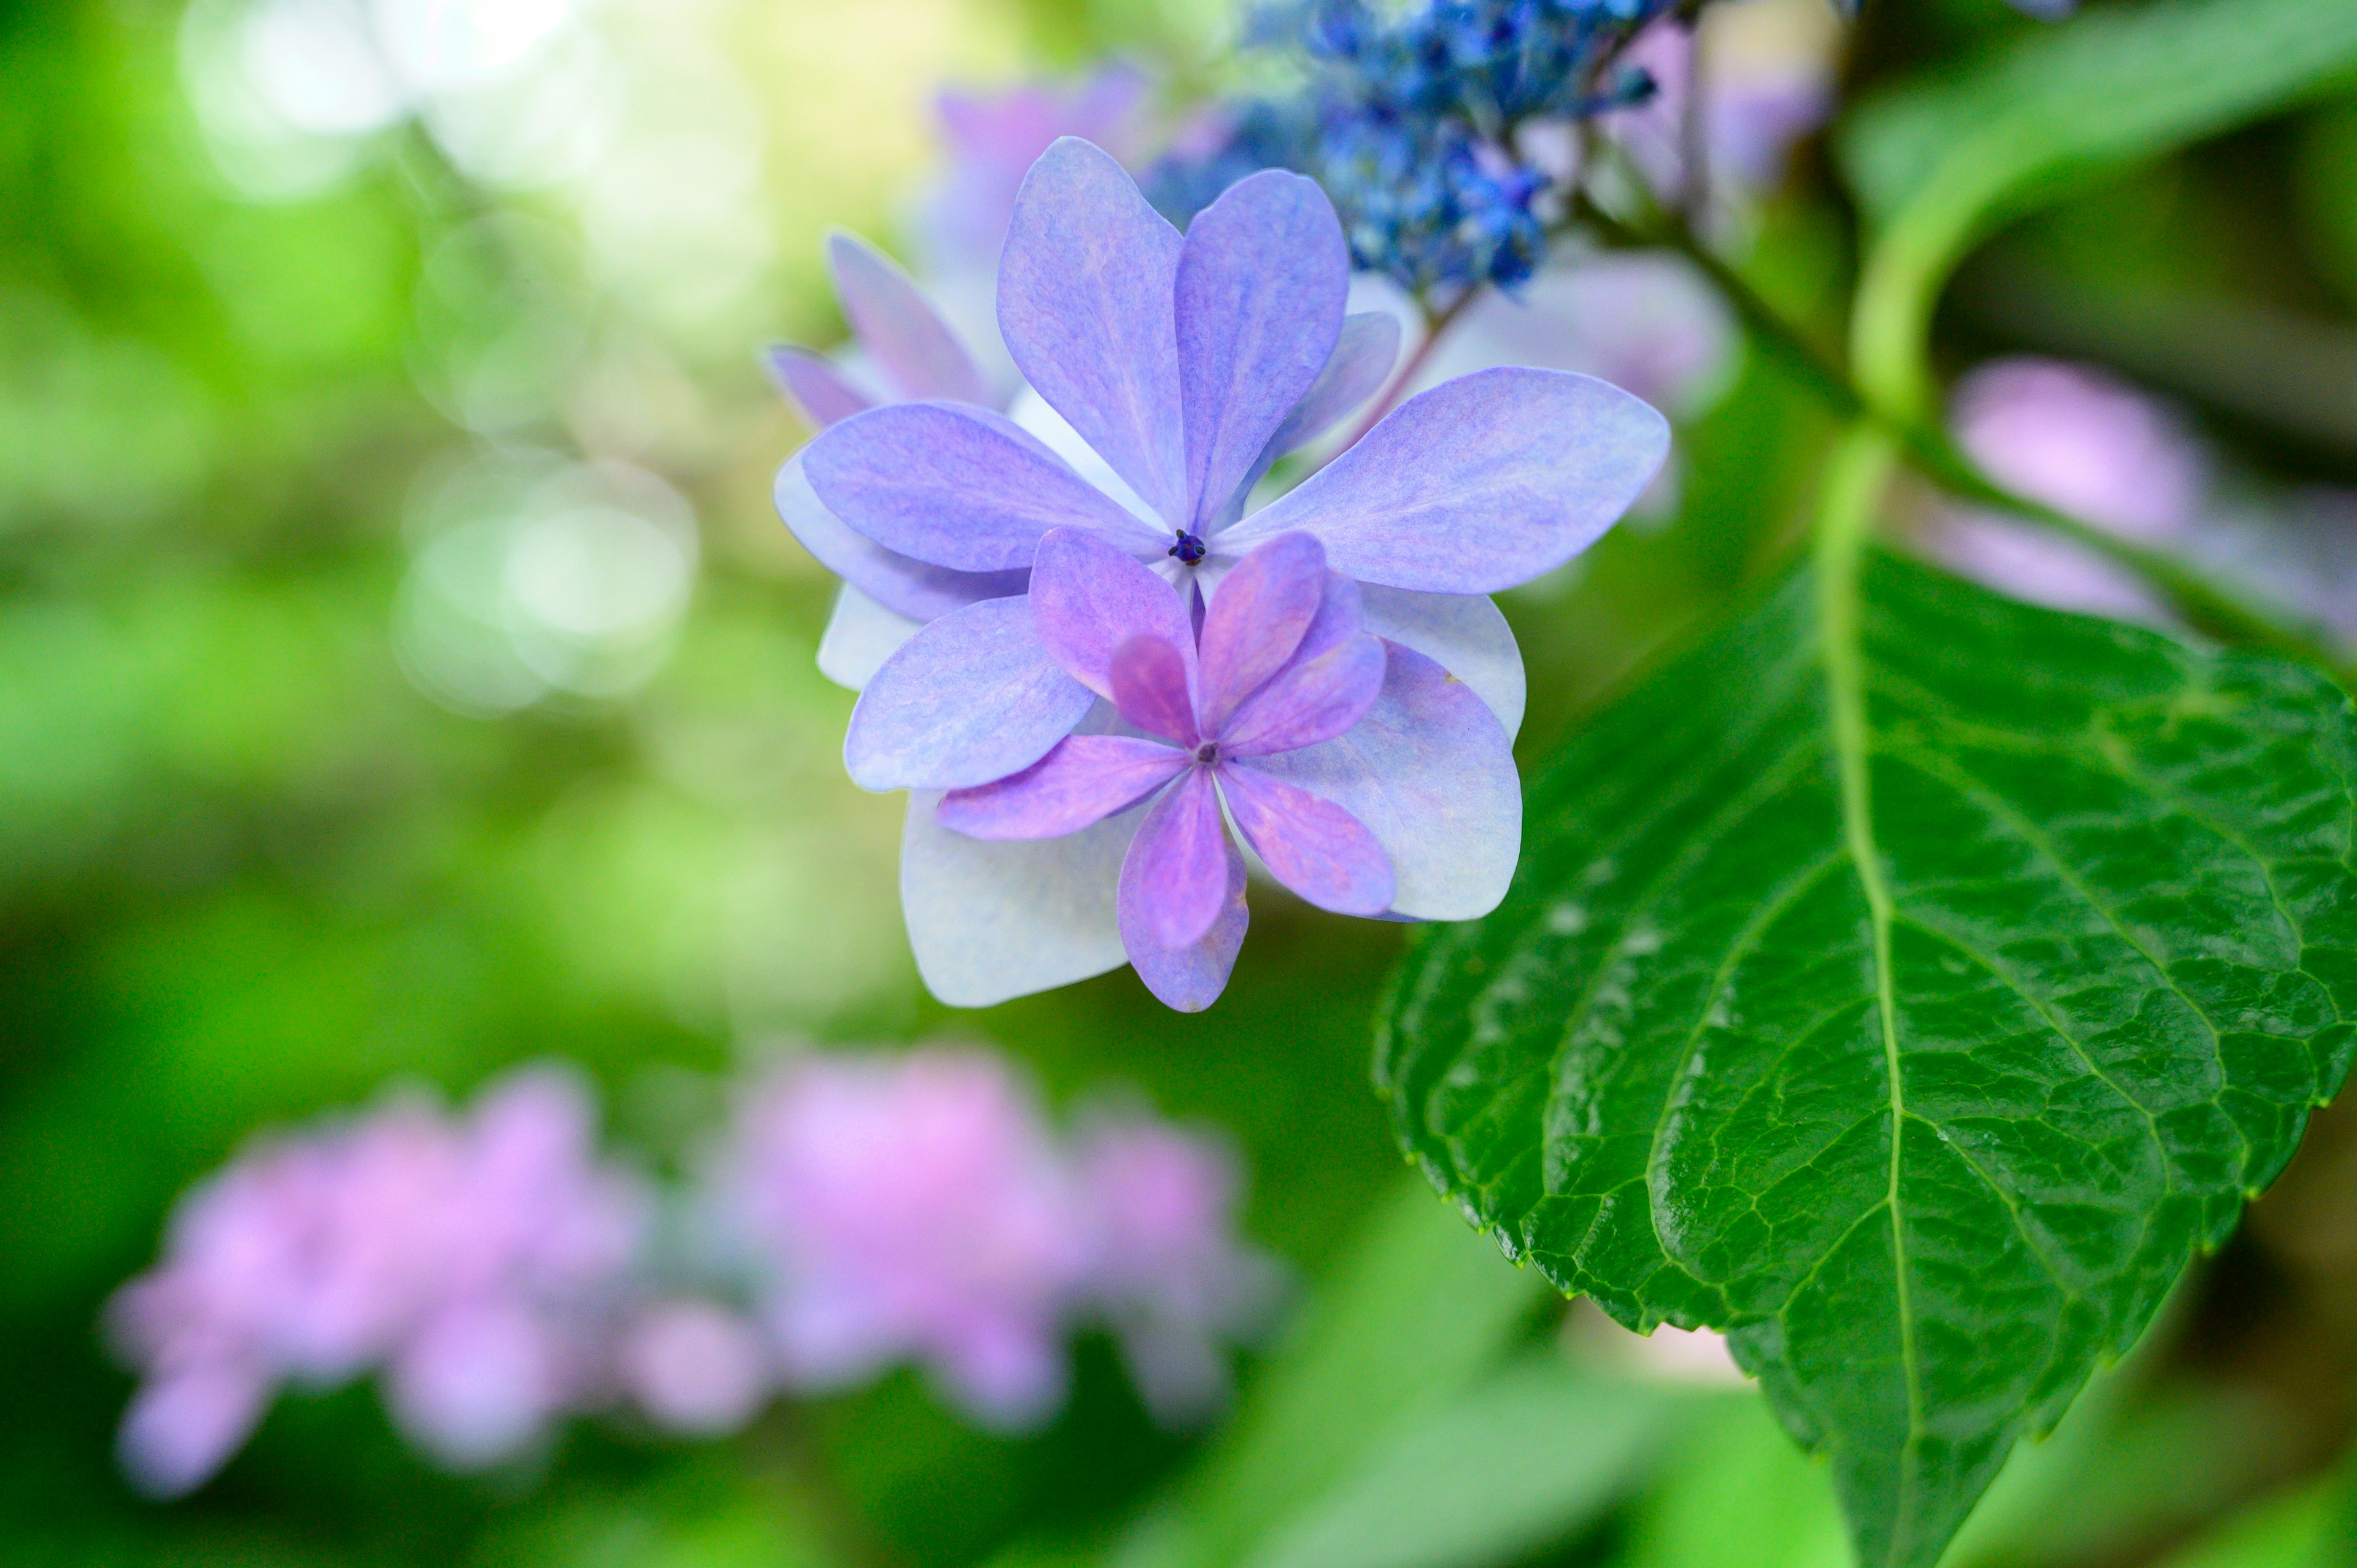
(1941, 164)
(1416, 1312)
(1907, 984)
(1521, 1461)
(2310, 1527)
(1736, 1491)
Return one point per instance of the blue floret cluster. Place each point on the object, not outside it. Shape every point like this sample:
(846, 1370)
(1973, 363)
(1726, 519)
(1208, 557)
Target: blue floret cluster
(1411, 121)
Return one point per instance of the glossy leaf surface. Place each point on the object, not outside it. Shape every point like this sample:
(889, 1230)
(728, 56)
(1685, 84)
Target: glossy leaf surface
(1928, 1090)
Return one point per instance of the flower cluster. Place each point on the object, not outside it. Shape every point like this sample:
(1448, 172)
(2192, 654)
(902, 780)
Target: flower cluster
(1035, 597)
(859, 1211)
(1419, 124)
(475, 1262)
(918, 1209)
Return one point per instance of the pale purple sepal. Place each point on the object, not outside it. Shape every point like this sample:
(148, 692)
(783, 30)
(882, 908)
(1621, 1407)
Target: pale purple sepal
(1312, 845)
(963, 486)
(1361, 362)
(1462, 633)
(971, 698)
(184, 1427)
(990, 922)
(860, 636)
(1256, 621)
(1311, 702)
(899, 582)
(1086, 779)
(1084, 289)
(1259, 287)
(1451, 493)
(1150, 689)
(914, 348)
(818, 389)
(1174, 882)
(1187, 979)
(1430, 773)
(1089, 597)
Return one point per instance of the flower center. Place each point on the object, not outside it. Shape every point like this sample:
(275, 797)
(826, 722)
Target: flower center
(1207, 752)
(1188, 548)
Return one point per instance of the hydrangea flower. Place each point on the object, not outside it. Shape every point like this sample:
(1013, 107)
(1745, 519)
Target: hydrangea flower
(1284, 665)
(1183, 366)
(1167, 1272)
(909, 1208)
(990, 140)
(2082, 441)
(1419, 121)
(470, 1261)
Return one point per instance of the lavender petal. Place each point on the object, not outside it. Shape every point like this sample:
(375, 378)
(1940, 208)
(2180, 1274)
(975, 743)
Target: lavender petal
(902, 583)
(955, 486)
(1478, 484)
(1256, 620)
(1174, 880)
(971, 698)
(1085, 287)
(1462, 633)
(1188, 978)
(1258, 308)
(1430, 773)
(860, 636)
(1088, 597)
(1086, 779)
(1311, 702)
(991, 921)
(913, 345)
(1150, 688)
(1310, 844)
(816, 387)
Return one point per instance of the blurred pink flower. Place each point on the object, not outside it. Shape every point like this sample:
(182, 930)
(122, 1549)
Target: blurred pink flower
(2087, 443)
(991, 139)
(695, 1367)
(465, 1256)
(1767, 72)
(909, 1208)
(1168, 1270)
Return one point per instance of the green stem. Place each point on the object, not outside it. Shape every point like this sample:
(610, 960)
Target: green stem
(2207, 605)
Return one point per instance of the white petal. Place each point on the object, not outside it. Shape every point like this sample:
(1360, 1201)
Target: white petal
(1462, 633)
(990, 922)
(860, 635)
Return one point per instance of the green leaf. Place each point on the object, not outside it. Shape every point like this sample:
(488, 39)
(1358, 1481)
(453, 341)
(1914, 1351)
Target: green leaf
(1520, 1461)
(1343, 1384)
(1940, 165)
(1908, 982)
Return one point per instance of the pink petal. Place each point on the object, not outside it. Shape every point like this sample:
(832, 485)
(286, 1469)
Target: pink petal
(1312, 700)
(815, 385)
(1312, 845)
(1149, 687)
(899, 326)
(1086, 779)
(1089, 596)
(1189, 978)
(1256, 620)
(1174, 881)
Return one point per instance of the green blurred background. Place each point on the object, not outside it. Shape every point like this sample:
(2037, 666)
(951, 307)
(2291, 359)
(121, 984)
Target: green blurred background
(403, 674)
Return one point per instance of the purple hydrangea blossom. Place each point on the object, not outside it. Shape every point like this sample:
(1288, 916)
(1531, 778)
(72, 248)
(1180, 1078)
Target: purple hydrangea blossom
(1167, 1272)
(909, 1208)
(2080, 440)
(990, 141)
(1282, 664)
(695, 1367)
(1179, 367)
(470, 1261)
